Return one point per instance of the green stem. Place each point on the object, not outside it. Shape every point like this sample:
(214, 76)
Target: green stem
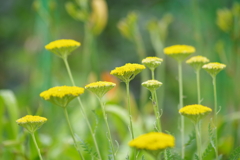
(69, 71)
(156, 110)
(35, 142)
(108, 129)
(165, 154)
(152, 70)
(130, 117)
(198, 139)
(129, 110)
(83, 111)
(90, 128)
(158, 44)
(181, 105)
(215, 114)
(72, 134)
(198, 86)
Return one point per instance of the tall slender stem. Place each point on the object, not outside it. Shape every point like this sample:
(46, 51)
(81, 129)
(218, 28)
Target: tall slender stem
(83, 111)
(152, 70)
(90, 128)
(156, 110)
(35, 143)
(215, 114)
(130, 117)
(181, 105)
(198, 138)
(72, 134)
(108, 129)
(69, 71)
(198, 86)
(129, 110)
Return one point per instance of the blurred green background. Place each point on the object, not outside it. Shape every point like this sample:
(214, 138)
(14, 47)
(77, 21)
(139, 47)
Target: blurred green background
(113, 33)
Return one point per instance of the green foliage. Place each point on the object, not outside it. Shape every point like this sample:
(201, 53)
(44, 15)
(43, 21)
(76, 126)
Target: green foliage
(212, 136)
(22, 46)
(192, 137)
(87, 147)
(196, 157)
(8, 101)
(235, 155)
(210, 147)
(208, 150)
(96, 122)
(176, 156)
(169, 155)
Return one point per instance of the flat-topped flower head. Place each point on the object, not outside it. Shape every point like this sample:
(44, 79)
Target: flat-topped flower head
(153, 142)
(100, 88)
(214, 68)
(197, 62)
(179, 52)
(152, 62)
(152, 85)
(127, 72)
(31, 123)
(61, 95)
(195, 112)
(62, 47)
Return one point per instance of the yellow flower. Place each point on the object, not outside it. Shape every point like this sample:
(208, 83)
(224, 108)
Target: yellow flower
(179, 52)
(152, 62)
(31, 123)
(61, 95)
(100, 88)
(214, 68)
(195, 112)
(152, 84)
(127, 72)
(62, 47)
(153, 142)
(197, 62)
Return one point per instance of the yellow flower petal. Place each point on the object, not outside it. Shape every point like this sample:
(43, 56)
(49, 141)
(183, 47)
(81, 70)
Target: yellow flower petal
(195, 112)
(62, 47)
(153, 141)
(100, 88)
(128, 71)
(179, 52)
(62, 95)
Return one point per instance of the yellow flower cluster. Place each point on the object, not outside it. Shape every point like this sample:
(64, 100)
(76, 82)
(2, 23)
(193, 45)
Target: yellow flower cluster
(100, 84)
(31, 123)
(214, 65)
(128, 71)
(197, 62)
(62, 95)
(197, 59)
(152, 84)
(152, 62)
(31, 119)
(61, 91)
(214, 68)
(62, 43)
(62, 47)
(179, 49)
(179, 52)
(195, 111)
(100, 88)
(153, 141)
